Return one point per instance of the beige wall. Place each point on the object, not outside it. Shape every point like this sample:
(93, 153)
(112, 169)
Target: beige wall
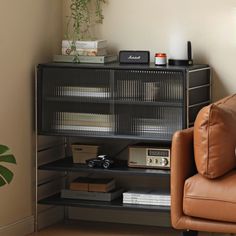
(30, 33)
(161, 26)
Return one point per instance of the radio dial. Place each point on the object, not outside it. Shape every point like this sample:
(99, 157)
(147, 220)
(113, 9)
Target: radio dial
(164, 161)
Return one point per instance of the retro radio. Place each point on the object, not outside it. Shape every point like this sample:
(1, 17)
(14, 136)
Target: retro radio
(149, 157)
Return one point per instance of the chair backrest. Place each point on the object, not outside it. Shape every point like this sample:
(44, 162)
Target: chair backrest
(215, 138)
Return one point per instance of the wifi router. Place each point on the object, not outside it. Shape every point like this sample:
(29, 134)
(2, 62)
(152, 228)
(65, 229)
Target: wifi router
(183, 62)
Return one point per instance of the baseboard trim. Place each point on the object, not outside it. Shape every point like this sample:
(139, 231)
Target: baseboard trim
(19, 228)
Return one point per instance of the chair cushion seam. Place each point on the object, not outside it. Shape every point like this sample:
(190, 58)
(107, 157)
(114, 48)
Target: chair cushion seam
(209, 199)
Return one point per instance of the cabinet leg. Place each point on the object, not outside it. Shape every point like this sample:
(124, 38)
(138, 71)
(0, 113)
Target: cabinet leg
(189, 233)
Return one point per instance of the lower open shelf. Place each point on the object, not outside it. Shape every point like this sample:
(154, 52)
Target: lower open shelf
(66, 164)
(115, 204)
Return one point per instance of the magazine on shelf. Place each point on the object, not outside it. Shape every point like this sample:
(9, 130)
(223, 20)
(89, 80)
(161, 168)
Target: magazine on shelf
(84, 116)
(146, 197)
(83, 128)
(83, 121)
(146, 194)
(96, 92)
(147, 202)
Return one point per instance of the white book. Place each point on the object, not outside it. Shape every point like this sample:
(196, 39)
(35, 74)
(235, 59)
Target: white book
(85, 44)
(91, 44)
(85, 51)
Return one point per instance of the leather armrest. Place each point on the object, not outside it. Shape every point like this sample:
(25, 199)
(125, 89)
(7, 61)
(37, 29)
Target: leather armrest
(182, 167)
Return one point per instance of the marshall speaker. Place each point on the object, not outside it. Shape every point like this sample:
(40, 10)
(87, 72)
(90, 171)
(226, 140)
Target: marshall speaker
(134, 57)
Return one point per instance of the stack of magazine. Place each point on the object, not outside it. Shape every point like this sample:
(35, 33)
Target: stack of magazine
(146, 197)
(85, 52)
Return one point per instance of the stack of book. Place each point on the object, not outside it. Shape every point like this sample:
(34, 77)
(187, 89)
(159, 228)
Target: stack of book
(80, 91)
(85, 52)
(98, 189)
(83, 122)
(85, 48)
(93, 184)
(146, 197)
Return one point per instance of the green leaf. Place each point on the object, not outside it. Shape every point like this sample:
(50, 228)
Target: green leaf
(3, 149)
(2, 182)
(6, 174)
(8, 158)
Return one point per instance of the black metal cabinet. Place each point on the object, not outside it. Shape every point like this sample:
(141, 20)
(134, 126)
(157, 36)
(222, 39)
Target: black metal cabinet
(129, 102)
(119, 102)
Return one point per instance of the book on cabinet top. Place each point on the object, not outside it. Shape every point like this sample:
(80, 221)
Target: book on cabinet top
(85, 44)
(85, 51)
(85, 59)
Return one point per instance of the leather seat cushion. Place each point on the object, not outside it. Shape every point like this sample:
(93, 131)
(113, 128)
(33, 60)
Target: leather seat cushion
(213, 199)
(215, 138)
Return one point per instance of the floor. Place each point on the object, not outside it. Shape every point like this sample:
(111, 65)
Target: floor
(103, 229)
(83, 228)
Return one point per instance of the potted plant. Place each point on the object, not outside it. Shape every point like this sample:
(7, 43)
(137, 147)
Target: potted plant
(6, 175)
(84, 15)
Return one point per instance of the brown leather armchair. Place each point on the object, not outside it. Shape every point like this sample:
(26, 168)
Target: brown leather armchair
(203, 172)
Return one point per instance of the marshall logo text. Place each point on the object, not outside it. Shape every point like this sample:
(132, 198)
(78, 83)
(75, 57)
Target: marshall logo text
(134, 57)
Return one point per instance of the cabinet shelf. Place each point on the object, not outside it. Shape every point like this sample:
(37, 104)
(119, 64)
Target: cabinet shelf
(149, 103)
(115, 101)
(67, 164)
(102, 135)
(78, 99)
(115, 204)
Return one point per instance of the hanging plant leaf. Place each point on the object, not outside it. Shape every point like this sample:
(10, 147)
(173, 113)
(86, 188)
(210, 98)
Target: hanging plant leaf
(3, 149)
(84, 14)
(8, 158)
(6, 174)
